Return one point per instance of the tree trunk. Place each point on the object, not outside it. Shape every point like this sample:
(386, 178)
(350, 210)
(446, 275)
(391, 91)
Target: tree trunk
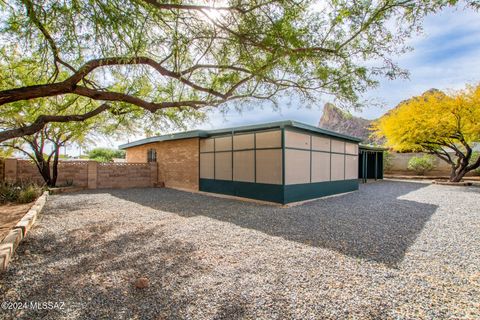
(55, 166)
(44, 169)
(458, 173)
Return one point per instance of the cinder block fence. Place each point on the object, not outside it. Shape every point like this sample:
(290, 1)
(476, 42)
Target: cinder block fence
(87, 174)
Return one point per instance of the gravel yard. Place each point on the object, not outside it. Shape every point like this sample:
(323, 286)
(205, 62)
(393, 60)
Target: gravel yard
(393, 250)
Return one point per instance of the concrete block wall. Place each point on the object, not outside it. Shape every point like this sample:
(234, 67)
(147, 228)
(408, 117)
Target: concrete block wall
(123, 175)
(178, 162)
(87, 174)
(399, 165)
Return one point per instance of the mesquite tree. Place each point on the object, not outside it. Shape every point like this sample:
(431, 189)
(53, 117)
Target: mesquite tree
(43, 147)
(184, 55)
(446, 125)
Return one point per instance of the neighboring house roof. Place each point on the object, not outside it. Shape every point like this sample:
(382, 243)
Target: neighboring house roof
(263, 126)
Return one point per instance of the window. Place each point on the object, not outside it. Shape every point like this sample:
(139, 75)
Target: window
(152, 155)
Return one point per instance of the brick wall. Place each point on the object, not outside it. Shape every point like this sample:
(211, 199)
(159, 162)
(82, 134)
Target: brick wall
(177, 160)
(88, 174)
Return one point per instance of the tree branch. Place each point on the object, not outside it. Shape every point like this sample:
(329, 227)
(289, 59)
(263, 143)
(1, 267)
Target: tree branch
(42, 120)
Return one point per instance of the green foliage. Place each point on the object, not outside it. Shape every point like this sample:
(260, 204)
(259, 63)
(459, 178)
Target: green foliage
(105, 154)
(19, 192)
(29, 194)
(245, 50)
(421, 165)
(475, 157)
(387, 160)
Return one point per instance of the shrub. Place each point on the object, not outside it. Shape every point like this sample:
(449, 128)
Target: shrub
(474, 158)
(421, 165)
(105, 154)
(29, 194)
(387, 160)
(19, 192)
(8, 192)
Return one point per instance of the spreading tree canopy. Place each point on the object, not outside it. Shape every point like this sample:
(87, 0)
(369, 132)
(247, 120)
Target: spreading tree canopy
(445, 125)
(133, 56)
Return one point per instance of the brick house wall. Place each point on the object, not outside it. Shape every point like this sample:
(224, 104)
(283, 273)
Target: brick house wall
(178, 162)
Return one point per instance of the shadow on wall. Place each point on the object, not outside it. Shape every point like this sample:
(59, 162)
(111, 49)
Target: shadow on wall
(372, 224)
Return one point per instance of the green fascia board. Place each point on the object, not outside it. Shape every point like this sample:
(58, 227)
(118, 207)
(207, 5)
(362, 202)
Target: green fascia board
(283, 124)
(262, 126)
(372, 148)
(166, 137)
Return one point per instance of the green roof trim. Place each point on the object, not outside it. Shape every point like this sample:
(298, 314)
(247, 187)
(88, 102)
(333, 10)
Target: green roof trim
(372, 148)
(166, 137)
(262, 126)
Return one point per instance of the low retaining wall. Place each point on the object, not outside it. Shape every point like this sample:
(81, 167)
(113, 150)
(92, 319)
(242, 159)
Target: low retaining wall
(10, 243)
(86, 174)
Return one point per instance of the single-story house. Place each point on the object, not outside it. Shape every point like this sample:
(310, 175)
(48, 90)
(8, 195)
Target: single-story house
(281, 162)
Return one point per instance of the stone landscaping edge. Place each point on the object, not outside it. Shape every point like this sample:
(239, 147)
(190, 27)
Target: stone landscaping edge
(58, 190)
(10, 243)
(414, 177)
(448, 183)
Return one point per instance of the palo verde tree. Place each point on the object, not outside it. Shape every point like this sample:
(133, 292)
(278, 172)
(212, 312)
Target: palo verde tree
(445, 125)
(187, 55)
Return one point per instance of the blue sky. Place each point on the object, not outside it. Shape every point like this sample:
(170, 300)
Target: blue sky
(445, 56)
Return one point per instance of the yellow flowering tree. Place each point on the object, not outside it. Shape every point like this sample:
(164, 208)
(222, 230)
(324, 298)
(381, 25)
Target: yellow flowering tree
(445, 125)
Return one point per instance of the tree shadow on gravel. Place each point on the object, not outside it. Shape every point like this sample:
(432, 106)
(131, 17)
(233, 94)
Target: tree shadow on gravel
(373, 223)
(94, 275)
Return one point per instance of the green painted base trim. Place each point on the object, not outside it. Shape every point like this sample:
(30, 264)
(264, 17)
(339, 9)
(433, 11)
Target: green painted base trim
(307, 191)
(278, 193)
(258, 191)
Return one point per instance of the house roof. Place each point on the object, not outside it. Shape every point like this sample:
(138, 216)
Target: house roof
(372, 148)
(263, 126)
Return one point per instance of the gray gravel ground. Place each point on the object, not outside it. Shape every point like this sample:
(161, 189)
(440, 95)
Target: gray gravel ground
(393, 250)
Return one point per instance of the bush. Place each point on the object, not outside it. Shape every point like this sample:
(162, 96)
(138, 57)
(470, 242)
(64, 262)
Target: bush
(8, 192)
(474, 158)
(105, 154)
(421, 165)
(387, 160)
(19, 192)
(29, 194)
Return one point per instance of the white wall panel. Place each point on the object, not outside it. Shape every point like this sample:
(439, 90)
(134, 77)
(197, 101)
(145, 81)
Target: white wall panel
(297, 140)
(338, 166)
(269, 139)
(351, 167)
(223, 166)
(338, 146)
(243, 141)
(297, 166)
(320, 143)
(269, 166)
(320, 166)
(206, 166)
(244, 166)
